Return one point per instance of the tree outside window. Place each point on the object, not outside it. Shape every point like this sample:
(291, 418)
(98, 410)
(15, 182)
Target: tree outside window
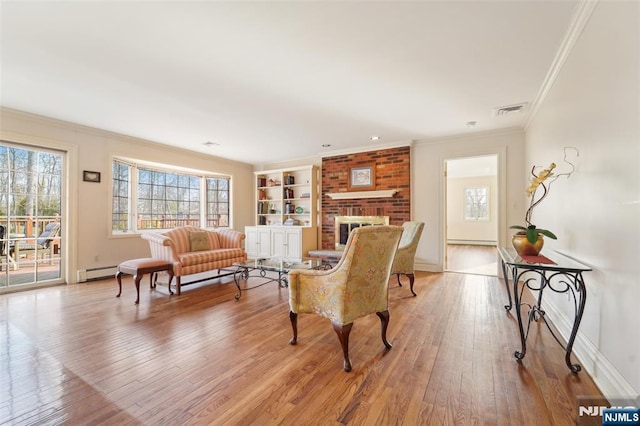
(476, 203)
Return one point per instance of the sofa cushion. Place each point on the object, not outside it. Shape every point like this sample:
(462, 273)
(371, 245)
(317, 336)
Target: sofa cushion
(198, 241)
(207, 256)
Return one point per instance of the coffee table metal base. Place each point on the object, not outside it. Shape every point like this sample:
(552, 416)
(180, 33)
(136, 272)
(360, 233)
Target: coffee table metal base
(276, 265)
(244, 273)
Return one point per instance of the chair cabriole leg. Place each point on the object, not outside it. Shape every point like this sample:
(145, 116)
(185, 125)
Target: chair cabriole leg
(119, 279)
(412, 278)
(294, 325)
(343, 332)
(384, 323)
(136, 278)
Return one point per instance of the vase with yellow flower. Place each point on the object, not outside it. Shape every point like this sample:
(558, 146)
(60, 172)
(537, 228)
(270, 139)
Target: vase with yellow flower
(529, 239)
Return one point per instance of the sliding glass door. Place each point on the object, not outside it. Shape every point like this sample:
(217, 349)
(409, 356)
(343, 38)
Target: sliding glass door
(30, 216)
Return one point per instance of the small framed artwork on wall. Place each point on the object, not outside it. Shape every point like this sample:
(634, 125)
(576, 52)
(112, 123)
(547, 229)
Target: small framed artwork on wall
(362, 178)
(89, 176)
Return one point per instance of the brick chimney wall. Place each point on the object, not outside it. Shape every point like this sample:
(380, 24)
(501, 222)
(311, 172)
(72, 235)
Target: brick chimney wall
(393, 171)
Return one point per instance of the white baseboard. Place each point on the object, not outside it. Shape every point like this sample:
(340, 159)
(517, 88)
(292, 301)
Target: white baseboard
(611, 383)
(426, 267)
(472, 242)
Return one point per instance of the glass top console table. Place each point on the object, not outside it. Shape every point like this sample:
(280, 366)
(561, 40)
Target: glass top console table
(550, 271)
(279, 265)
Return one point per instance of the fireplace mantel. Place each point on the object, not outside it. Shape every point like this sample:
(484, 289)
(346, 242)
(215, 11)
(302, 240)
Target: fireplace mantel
(387, 193)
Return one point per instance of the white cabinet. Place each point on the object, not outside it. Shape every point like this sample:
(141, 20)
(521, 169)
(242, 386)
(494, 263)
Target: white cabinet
(286, 208)
(293, 242)
(286, 242)
(257, 241)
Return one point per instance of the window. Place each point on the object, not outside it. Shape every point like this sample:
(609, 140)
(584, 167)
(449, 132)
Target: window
(31, 201)
(476, 203)
(163, 199)
(120, 202)
(218, 202)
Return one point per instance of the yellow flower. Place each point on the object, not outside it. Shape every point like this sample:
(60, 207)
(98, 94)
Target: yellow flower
(541, 177)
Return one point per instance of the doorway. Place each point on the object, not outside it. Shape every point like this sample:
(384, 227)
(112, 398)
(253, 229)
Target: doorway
(472, 214)
(30, 216)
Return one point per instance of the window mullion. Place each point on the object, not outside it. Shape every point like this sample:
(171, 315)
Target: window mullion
(133, 197)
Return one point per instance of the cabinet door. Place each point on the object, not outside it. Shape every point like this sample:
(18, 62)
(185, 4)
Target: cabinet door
(286, 242)
(251, 241)
(257, 241)
(293, 244)
(278, 242)
(264, 242)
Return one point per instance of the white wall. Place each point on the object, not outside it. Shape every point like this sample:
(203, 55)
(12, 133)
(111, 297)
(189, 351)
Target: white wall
(461, 230)
(428, 186)
(594, 105)
(87, 242)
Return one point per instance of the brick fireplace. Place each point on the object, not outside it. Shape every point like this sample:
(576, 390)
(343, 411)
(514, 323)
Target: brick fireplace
(393, 172)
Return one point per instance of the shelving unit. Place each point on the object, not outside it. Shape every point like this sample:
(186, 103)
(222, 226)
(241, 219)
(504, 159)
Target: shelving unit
(287, 194)
(286, 204)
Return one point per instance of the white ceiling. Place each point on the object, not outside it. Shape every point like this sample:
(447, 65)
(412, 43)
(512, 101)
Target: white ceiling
(271, 81)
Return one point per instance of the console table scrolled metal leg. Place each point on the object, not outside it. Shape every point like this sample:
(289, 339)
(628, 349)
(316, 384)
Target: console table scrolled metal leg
(505, 275)
(534, 311)
(579, 293)
(559, 282)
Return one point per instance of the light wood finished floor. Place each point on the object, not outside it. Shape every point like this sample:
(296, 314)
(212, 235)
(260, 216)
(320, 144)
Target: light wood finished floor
(472, 259)
(76, 355)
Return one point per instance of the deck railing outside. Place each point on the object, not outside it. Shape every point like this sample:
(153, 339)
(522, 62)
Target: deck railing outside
(170, 223)
(26, 226)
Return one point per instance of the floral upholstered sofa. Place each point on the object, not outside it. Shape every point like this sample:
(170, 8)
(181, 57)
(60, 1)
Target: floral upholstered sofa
(193, 250)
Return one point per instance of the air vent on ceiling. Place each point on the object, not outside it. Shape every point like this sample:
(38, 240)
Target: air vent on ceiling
(510, 109)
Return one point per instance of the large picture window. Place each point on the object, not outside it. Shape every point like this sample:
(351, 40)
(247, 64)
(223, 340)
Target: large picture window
(164, 199)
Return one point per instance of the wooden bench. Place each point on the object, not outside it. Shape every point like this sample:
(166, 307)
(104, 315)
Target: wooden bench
(139, 267)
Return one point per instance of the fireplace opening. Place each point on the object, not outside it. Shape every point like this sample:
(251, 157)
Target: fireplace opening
(345, 224)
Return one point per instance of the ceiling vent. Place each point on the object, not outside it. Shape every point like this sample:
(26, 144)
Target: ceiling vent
(510, 109)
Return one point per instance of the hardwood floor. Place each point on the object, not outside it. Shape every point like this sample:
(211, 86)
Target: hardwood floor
(472, 259)
(76, 354)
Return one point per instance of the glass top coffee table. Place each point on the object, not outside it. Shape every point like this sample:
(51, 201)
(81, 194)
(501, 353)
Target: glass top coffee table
(280, 266)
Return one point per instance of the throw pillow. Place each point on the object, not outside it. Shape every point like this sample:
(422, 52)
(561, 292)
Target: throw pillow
(198, 241)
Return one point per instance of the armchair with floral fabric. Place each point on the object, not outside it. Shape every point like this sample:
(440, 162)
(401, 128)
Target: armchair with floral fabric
(355, 287)
(405, 256)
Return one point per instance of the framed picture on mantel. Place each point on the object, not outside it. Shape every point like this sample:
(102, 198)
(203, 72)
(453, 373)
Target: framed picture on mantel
(362, 178)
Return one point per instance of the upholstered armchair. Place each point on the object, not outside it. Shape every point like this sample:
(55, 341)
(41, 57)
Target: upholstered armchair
(357, 286)
(404, 261)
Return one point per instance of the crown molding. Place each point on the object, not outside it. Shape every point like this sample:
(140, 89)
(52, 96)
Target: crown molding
(584, 10)
(367, 148)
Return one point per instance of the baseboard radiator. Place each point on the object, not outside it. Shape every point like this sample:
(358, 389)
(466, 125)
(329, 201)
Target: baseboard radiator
(93, 274)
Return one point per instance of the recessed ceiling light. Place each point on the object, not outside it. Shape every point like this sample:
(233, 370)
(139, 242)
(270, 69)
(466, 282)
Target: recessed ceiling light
(326, 145)
(471, 124)
(209, 143)
(375, 138)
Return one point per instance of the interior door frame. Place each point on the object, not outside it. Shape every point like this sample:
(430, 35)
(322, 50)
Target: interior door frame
(501, 155)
